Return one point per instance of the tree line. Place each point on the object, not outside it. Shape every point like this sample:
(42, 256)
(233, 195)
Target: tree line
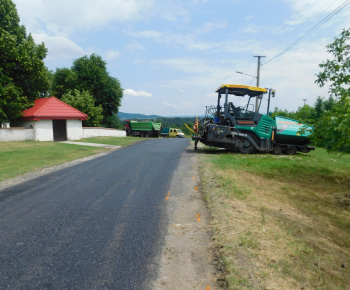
(87, 85)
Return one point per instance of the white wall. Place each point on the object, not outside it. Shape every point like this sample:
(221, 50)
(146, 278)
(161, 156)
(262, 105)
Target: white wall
(5, 125)
(43, 130)
(16, 134)
(99, 132)
(28, 125)
(74, 130)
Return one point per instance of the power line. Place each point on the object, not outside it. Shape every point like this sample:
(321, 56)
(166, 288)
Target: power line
(324, 20)
(300, 28)
(269, 43)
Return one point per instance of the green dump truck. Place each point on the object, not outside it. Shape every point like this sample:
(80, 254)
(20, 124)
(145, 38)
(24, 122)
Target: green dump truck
(237, 128)
(142, 128)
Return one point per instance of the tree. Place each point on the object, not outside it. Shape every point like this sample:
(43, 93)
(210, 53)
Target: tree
(333, 128)
(90, 74)
(114, 122)
(282, 113)
(322, 106)
(64, 80)
(23, 75)
(319, 108)
(84, 102)
(305, 114)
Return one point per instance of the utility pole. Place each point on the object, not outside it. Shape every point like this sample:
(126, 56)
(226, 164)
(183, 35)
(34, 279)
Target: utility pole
(304, 101)
(258, 81)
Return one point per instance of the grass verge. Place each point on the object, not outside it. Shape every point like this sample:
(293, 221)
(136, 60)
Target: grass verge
(280, 221)
(116, 141)
(18, 158)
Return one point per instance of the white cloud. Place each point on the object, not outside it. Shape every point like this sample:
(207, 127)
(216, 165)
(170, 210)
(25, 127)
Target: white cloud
(212, 25)
(172, 11)
(255, 28)
(134, 46)
(60, 47)
(189, 41)
(310, 10)
(147, 34)
(249, 17)
(185, 65)
(202, 67)
(197, 2)
(171, 105)
(202, 75)
(66, 16)
(111, 54)
(182, 105)
(251, 29)
(130, 92)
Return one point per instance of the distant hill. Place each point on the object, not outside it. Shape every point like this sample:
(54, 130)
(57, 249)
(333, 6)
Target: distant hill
(125, 116)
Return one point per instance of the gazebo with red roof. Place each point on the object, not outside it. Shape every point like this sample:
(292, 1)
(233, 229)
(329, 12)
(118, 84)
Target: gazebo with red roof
(54, 120)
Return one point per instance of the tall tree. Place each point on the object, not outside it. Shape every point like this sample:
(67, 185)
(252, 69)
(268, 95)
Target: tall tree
(64, 80)
(90, 74)
(322, 106)
(85, 103)
(333, 128)
(305, 114)
(23, 75)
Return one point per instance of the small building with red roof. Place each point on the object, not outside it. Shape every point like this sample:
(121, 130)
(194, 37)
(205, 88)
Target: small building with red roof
(53, 120)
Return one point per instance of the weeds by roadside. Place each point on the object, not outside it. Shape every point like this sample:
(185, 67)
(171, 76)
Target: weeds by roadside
(280, 221)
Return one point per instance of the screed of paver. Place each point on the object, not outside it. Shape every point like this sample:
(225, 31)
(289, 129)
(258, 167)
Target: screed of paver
(186, 260)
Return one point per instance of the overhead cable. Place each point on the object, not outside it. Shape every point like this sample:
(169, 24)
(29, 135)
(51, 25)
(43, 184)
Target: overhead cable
(324, 20)
(269, 43)
(300, 28)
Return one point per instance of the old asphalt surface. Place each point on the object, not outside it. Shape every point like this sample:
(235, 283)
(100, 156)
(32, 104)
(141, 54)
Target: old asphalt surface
(95, 225)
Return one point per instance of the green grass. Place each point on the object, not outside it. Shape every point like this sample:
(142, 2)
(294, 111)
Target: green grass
(300, 166)
(18, 158)
(287, 214)
(117, 141)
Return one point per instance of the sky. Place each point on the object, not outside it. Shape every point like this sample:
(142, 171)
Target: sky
(170, 56)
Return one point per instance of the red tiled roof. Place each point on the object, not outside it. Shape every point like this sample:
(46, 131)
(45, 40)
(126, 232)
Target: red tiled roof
(52, 108)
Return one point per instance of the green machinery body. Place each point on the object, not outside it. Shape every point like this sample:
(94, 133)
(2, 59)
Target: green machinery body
(142, 128)
(237, 128)
(287, 131)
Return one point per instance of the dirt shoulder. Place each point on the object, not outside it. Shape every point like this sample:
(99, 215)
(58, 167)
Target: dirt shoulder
(187, 260)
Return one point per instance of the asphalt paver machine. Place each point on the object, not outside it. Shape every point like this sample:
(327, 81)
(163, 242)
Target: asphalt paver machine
(237, 128)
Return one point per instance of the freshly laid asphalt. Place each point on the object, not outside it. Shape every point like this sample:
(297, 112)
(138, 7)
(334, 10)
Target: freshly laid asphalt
(96, 225)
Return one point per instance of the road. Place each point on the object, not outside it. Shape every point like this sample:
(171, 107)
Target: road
(96, 225)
